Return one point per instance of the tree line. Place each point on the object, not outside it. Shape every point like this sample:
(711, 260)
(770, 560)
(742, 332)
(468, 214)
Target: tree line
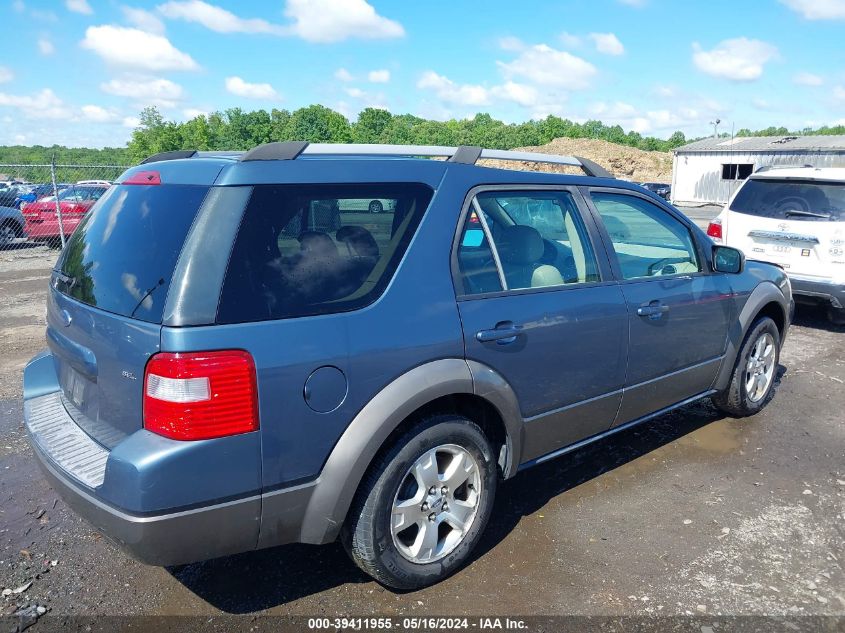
(237, 129)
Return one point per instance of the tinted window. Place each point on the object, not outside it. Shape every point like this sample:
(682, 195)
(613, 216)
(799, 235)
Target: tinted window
(791, 199)
(122, 255)
(313, 249)
(648, 241)
(538, 236)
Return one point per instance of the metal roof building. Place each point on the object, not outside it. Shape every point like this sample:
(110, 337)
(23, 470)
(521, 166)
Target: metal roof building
(710, 170)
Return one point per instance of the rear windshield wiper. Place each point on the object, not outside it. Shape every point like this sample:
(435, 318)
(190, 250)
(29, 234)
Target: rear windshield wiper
(807, 214)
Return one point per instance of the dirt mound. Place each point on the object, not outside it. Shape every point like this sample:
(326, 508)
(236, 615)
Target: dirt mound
(626, 163)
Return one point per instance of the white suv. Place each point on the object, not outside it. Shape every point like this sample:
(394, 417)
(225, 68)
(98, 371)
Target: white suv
(793, 217)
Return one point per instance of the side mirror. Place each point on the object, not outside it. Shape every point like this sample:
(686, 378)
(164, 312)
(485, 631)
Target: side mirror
(728, 260)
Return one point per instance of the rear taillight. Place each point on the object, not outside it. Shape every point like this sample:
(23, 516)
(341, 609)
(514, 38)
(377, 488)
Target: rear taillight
(714, 229)
(200, 395)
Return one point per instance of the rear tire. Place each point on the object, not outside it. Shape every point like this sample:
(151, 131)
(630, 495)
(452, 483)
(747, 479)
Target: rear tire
(752, 383)
(403, 534)
(375, 206)
(9, 232)
(836, 315)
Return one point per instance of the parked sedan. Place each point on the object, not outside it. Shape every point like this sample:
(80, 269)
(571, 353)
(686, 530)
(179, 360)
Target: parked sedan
(11, 225)
(36, 193)
(42, 221)
(661, 189)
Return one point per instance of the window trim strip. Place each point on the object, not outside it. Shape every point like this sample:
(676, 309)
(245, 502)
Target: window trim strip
(489, 236)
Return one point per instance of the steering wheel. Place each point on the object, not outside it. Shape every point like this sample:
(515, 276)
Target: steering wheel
(657, 267)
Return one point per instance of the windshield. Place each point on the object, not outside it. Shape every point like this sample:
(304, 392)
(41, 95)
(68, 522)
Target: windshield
(122, 255)
(806, 200)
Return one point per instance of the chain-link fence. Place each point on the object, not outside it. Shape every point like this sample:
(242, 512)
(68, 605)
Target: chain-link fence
(41, 205)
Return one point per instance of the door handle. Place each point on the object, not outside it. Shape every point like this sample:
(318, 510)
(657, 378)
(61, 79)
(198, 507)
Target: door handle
(653, 310)
(503, 333)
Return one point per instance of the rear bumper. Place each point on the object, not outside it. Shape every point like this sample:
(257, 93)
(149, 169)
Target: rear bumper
(82, 471)
(820, 290)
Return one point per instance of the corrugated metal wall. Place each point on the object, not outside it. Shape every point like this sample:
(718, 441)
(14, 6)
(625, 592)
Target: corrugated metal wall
(697, 176)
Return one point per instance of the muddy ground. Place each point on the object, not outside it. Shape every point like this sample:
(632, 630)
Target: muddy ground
(691, 513)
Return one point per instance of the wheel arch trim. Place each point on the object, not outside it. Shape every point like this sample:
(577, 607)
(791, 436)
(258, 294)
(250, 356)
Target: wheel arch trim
(764, 294)
(349, 460)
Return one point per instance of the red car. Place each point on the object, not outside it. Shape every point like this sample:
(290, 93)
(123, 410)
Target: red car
(42, 221)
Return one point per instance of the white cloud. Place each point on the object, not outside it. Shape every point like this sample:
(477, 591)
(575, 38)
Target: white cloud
(42, 105)
(336, 20)
(448, 91)
(522, 94)
(18, 6)
(547, 66)
(79, 6)
(355, 93)
(570, 41)
(738, 59)
(666, 92)
(379, 76)
(215, 18)
(511, 44)
(45, 46)
(607, 43)
(818, 9)
(638, 4)
(341, 74)
(144, 20)
(146, 91)
(807, 79)
(124, 46)
(241, 88)
(131, 121)
(98, 114)
(839, 93)
(6, 74)
(193, 113)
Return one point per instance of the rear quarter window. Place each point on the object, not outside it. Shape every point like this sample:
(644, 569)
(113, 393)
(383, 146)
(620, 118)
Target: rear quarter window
(316, 249)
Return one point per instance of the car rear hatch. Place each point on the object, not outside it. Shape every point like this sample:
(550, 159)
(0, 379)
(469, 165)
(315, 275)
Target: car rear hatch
(798, 224)
(106, 301)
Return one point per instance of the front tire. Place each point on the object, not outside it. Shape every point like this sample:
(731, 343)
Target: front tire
(375, 206)
(424, 504)
(753, 378)
(836, 315)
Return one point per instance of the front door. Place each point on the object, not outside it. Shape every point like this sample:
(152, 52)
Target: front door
(538, 309)
(679, 312)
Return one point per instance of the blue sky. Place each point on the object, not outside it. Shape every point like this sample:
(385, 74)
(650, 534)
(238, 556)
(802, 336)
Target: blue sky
(78, 72)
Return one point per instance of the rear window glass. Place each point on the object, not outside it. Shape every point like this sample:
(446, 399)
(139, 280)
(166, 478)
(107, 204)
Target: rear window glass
(315, 249)
(791, 200)
(122, 256)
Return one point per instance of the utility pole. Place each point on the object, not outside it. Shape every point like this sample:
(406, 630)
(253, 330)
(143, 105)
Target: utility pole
(715, 125)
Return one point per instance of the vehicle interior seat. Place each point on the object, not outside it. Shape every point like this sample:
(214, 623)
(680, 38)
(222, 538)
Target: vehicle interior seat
(521, 250)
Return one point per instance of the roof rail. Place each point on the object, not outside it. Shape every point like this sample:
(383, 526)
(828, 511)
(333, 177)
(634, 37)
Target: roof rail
(464, 154)
(173, 155)
(771, 167)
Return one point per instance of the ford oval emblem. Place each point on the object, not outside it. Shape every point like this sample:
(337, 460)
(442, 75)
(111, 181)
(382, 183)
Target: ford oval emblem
(64, 315)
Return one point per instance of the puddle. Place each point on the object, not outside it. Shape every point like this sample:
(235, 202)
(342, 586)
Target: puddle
(720, 437)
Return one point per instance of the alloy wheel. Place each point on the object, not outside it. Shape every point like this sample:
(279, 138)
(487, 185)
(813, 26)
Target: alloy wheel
(436, 504)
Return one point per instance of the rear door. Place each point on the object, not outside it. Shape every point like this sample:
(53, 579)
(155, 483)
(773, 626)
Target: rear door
(105, 306)
(679, 312)
(796, 224)
(538, 305)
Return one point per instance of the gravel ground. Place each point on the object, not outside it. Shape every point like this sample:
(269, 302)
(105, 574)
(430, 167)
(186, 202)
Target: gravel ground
(690, 513)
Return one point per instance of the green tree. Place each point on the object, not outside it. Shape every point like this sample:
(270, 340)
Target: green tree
(319, 124)
(371, 125)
